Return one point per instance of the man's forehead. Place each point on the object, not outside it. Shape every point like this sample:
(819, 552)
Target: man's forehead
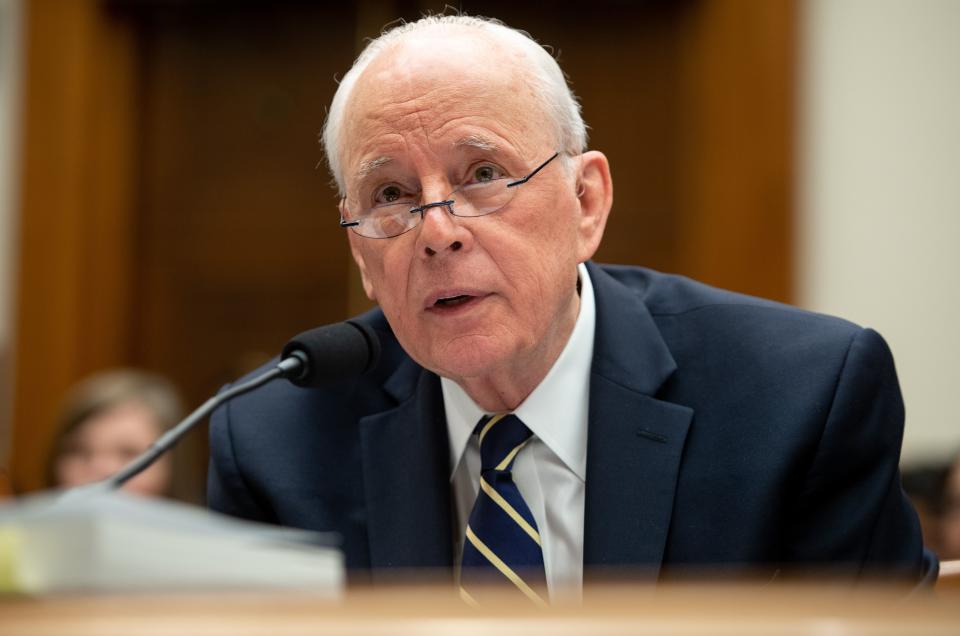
(470, 101)
(406, 71)
(445, 45)
(441, 64)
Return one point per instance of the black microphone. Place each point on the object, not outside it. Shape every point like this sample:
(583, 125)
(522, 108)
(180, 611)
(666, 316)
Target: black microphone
(333, 352)
(311, 359)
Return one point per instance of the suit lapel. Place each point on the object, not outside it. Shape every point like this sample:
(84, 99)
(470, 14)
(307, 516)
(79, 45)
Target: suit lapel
(406, 476)
(635, 441)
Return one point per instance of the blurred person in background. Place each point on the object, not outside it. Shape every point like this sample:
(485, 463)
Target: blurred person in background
(924, 486)
(108, 419)
(950, 519)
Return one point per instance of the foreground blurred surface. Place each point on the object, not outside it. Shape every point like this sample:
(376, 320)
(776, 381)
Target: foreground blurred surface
(92, 540)
(615, 609)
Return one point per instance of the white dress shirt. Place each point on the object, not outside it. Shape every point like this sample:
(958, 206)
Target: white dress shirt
(552, 467)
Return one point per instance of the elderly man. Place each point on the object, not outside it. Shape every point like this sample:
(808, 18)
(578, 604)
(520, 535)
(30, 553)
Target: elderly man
(537, 417)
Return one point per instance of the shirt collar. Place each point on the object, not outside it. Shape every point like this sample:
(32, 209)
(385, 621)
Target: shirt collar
(557, 409)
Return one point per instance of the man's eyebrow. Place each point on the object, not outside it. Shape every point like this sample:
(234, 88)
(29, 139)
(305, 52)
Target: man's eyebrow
(470, 141)
(476, 141)
(367, 167)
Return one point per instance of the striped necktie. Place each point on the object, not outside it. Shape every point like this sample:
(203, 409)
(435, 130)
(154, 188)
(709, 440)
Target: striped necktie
(502, 542)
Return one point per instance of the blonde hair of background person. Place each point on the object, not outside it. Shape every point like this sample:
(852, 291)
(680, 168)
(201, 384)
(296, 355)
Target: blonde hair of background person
(108, 419)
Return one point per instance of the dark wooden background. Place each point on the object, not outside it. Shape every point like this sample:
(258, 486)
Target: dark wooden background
(176, 214)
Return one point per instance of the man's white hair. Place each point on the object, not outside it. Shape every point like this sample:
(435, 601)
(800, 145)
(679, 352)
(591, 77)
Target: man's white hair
(549, 83)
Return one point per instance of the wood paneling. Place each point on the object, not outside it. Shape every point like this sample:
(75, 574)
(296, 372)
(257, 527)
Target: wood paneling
(238, 245)
(735, 143)
(76, 248)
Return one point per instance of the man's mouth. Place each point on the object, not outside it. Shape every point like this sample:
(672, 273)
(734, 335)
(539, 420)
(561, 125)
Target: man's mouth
(452, 301)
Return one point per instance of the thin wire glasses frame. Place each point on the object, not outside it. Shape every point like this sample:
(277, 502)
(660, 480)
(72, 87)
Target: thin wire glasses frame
(479, 199)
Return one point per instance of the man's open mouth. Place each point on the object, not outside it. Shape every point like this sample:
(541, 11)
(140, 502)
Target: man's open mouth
(452, 301)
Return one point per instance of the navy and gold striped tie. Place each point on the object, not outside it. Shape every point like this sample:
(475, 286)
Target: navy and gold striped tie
(502, 542)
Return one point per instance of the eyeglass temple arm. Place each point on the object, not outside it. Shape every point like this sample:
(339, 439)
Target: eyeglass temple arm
(535, 171)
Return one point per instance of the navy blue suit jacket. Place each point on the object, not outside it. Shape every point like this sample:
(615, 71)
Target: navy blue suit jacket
(725, 432)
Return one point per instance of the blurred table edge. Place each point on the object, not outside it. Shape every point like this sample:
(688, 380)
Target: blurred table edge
(807, 608)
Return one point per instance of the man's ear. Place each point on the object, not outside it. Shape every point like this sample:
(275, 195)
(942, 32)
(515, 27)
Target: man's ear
(358, 258)
(595, 193)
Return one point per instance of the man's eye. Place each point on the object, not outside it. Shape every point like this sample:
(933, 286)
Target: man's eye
(390, 194)
(486, 172)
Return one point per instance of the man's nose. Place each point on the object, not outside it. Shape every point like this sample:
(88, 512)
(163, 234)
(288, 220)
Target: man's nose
(441, 232)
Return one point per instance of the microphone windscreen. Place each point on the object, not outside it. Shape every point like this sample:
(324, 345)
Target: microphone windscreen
(334, 352)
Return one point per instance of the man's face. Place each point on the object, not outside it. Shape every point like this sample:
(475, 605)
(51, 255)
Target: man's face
(425, 119)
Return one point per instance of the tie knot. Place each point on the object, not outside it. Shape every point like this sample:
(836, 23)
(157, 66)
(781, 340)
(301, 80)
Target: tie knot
(501, 438)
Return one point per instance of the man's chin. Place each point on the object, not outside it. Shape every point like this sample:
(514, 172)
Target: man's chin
(468, 359)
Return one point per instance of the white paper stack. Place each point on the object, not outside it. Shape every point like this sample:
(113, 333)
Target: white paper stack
(116, 542)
